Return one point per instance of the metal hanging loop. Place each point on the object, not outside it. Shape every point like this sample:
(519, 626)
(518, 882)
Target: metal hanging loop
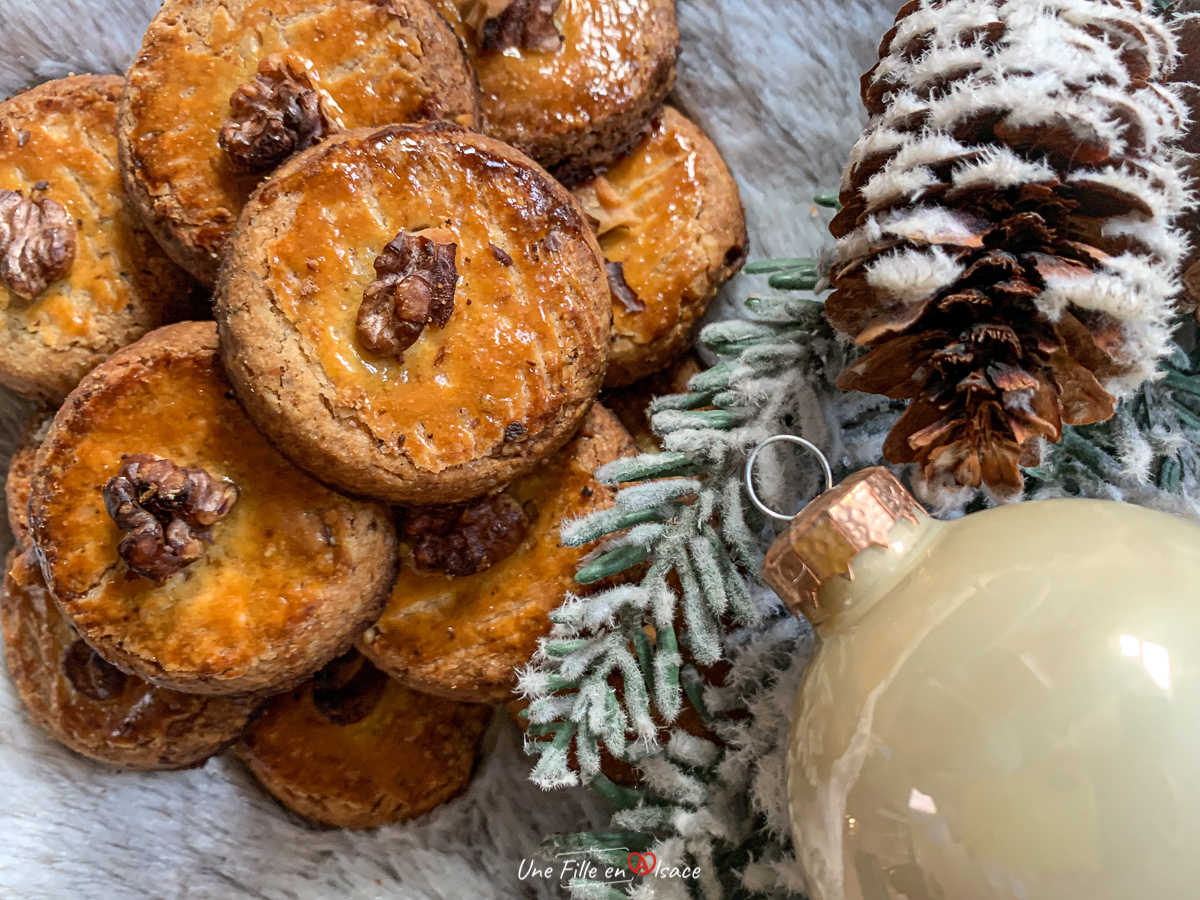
(791, 439)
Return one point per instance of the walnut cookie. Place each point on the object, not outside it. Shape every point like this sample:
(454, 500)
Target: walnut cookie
(354, 749)
(572, 83)
(221, 92)
(671, 225)
(20, 474)
(478, 582)
(80, 275)
(93, 707)
(415, 314)
(182, 545)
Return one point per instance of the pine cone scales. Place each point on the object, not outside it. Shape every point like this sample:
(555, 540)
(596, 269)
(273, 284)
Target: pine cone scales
(1005, 246)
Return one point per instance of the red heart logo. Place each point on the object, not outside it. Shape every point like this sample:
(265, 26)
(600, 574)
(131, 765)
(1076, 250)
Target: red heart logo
(642, 863)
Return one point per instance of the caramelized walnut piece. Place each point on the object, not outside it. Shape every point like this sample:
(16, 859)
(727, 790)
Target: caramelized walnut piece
(281, 112)
(466, 538)
(605, 208)
(166, 511)
(526, 24)
(37, 242)
(501, 257)
(620, 288)
(414, 287)
(348, 689)
(92, 675)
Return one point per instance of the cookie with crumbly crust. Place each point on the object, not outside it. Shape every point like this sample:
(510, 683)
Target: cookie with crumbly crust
(250, 594)
(472, 400)
(367, 62)
(579, 93)
(671, 225)
(472, 599)
(99, 280)
(93, 707)
(354, 749)
(20, 475)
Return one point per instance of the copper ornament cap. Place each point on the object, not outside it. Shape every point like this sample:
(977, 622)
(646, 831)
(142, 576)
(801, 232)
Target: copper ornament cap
(826, 535)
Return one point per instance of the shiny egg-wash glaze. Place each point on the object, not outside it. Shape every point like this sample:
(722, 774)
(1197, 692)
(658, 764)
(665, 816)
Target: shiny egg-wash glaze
(465, 637)
(380, 62)
(111, 717)
(58, 141)
(290, 576)
(683, 235)
(579, 107)
(472, 405)
(387, 754)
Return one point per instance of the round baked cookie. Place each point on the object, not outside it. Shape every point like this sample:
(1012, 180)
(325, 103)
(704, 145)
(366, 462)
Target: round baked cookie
(20, 475)
(573, 89)
(477, 582)
(80, 275)
(93, 707)
(354, 749)
(182, 545)
(300, 69)
(416, 314)
(672, 227)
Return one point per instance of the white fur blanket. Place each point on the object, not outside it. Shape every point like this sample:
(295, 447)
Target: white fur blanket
(775, 83)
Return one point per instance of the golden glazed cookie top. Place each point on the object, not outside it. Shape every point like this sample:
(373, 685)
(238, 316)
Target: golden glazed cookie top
(377, 61)
(58, 143)
(611, 70)
(499, 385)
(92, 706)
(669, 213)
(459, 633)
(283, 581)
(354, 749)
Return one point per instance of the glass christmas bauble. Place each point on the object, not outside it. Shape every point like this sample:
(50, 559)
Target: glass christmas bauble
(1002, 707)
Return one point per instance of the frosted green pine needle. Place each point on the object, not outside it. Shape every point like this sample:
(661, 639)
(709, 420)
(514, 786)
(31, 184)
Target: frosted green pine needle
(617, 795)
(695, 614)
(645, 467)
(678, 401)
(582, 531)
(767, 266)
(655, 493)
(714, 379)
(671, 420)
(794, 280)
(612, 563)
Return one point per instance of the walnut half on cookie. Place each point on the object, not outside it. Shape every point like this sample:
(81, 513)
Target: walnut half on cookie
(236, 573)
(221, 93)
(80, 275)
(432, 370)
(478, 581)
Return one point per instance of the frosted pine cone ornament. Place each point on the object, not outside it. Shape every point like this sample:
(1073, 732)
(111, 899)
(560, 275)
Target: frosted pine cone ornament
(1005, 246)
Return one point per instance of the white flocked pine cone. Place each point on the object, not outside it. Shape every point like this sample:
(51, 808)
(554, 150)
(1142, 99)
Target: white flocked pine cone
(1006, 245)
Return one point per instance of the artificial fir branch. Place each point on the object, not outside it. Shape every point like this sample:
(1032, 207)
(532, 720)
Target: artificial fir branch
(682, 514)
(718, 802)
(692, 629)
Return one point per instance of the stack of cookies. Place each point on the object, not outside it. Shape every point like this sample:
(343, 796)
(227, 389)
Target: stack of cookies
(323, 528)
